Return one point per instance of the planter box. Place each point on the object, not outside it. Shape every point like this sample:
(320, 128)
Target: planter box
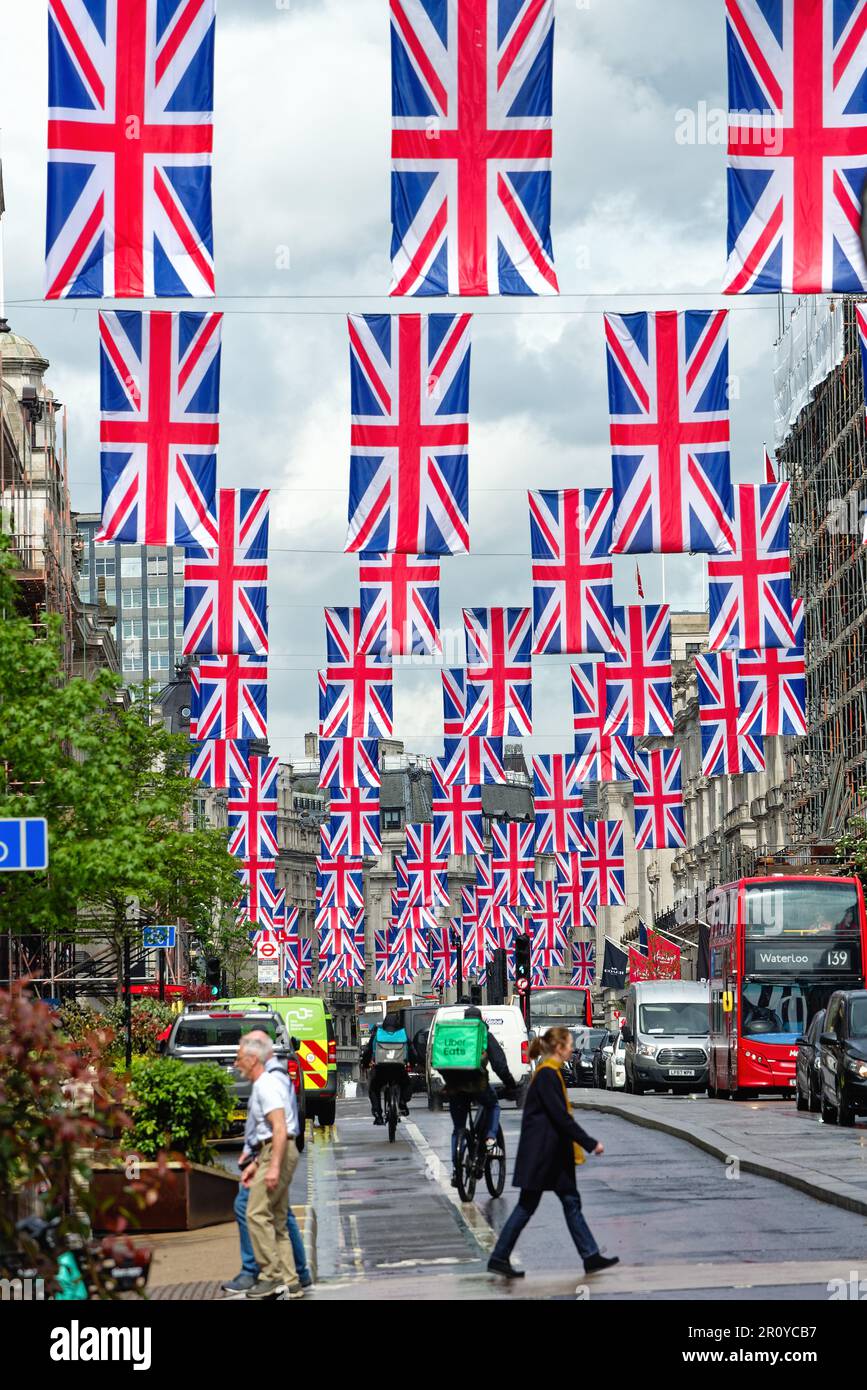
(188, 1197)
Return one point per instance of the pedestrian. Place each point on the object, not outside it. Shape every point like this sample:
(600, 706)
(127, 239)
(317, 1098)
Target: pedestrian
(249, 1267)
(551, 1144)
(272, 1130)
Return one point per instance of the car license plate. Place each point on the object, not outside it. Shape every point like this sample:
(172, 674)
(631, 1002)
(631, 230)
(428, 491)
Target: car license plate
(679, 1071)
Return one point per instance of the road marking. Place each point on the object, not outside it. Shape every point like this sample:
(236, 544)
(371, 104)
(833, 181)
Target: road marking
(481, 1231)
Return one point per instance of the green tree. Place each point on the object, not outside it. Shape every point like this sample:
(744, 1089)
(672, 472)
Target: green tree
(852, 845)
(113, 787)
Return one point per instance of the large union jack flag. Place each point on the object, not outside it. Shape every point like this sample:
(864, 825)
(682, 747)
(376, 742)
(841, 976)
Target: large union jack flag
(225, 591)
(773, 685)
(638, 694)
(297, 963)
(583, 964)
(408, 488)
(476, 946)
(354, 822)
(474, 762)
(454, 680)
(602, 756)
(658, 800)
(349, 762)
(442, 957)
(426, 868)
(412, 933)
(400, 605)
(558, 804)
(230, 697)
(728, 747)
(339, 883)
(252, 808)
(341, 949)
(358, 688)
(457, 814)
(750, 591)
(603, 864)
(513, 862)
(131, 96)
(382, 952)
(575, 910)
(573, 595)
(257, 879)
(471, 147)
(499, 672)
(216, 762)
(159, 427)
(797, 146)
(668, 398)
(549, 934)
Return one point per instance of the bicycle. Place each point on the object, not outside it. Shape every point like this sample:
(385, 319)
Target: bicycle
(475, 1160)
(391, 1104)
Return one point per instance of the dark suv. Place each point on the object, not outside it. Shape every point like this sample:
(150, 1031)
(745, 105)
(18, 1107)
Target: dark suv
(213, 1034)
(843, 1058)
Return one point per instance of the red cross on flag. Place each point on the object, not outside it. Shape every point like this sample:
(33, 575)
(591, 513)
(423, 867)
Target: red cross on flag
(751, 591)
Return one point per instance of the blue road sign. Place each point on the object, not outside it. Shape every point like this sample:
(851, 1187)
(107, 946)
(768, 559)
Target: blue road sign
(23, 845)
(158, 938)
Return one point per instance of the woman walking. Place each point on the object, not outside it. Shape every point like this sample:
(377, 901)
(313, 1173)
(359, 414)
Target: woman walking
(551, 1144)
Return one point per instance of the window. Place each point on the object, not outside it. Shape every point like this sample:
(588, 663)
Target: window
(158, 564)
(84, 569)
(179, 596)
(179, 629)
(158, 598)
(392, 817)
(158, 661)
(132, 661)
(158, 629)
(132, 598)
(130, 567)
(132, 627)
(103, 566)
(693, 648)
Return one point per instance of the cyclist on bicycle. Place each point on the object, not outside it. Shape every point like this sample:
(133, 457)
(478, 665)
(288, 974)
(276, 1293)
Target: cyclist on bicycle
(466, 1088)
(391, 1034)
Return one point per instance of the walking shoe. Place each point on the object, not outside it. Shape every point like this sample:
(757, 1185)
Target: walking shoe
(594, 1263)
(295, 1291)
(240, 1284)
(266, 1288)
(306, 1281)
(378, 1120)
(504, 1267)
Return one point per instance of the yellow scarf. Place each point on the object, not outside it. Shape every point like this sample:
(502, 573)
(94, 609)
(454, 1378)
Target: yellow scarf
(556, 1065)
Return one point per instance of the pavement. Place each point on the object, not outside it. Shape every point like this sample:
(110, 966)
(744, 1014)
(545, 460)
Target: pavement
(685, 1224)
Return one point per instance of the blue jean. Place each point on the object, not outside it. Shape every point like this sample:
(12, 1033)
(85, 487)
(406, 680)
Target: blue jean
(527, 1205)
(248, 1259)
(459, 1109)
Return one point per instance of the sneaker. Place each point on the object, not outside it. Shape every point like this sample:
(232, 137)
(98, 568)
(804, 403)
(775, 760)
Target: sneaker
(295, 1291)
(240, 1284)
(378, 1120)
(594, 1263)
(306, 1281)
(504, 1267)
(266, 1288)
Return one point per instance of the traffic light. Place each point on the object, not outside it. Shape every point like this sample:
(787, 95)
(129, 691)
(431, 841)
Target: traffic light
(475, 994)
(522, 959)
(212, 975)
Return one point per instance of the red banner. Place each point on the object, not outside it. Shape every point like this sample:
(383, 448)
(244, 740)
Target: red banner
(662, 961)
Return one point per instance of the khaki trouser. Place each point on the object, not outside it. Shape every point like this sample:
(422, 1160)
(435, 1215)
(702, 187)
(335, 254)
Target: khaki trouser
(266, 1218)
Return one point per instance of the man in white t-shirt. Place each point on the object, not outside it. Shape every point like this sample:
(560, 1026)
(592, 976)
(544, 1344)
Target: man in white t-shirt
(272, 1127)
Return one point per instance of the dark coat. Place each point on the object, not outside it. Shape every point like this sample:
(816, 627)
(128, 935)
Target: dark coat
(546, 1158)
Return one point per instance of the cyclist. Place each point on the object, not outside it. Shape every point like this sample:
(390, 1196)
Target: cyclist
(391, 1033)
(466, 1088)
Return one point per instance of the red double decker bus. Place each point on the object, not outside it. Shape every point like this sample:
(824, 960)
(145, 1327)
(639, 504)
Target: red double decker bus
(779, 947)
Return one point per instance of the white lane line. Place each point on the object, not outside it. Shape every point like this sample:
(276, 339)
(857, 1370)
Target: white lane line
(436, 1171)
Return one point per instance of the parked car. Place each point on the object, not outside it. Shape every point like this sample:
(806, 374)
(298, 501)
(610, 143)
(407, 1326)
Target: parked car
(506, 1022)
(582, 1069)
(843, 1058)
(667, 1035)
(615, 1065)
(307, 1019)
(807, 1074)
(604, 1050)
(212, 1034)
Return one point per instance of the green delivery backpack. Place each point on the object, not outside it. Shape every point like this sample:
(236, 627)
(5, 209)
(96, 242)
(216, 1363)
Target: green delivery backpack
(458, 1044)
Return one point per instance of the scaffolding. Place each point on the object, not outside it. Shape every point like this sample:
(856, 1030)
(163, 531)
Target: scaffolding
(824, 458)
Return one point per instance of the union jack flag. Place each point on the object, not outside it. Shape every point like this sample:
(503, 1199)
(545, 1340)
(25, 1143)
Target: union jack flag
(298, 962)
(400, 605)
(131, 97)
(471, 147)
(558, 804)
(454, 680)
(658, 800)
(727, 745)
(513, 862)
(354, 822)
(358, 692)
(341, 953)
(442, 958)
(427, 871)
(750, 591)
(457, 814)
(219, 761)
(339, 883)
(797, 146)
(408, 488)
(549, 935)
(569, 896)
(603, 864)
(473, 762)
(668, 398)
(252, 808)
(476, 946)
(501, 922)
(382, 954)
(602, 756)
(225, 592)
(159, 426)
(230, 697)
(411, 936)
(638, 694)
(773, 685)
(573, 594)
(401, 890)
(349, 762)
(499, 673)
(539, 972)
(256, 877)
(341, 933)
(583, 964)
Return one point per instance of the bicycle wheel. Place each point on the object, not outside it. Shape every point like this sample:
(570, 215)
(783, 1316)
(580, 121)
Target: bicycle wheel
(465, 1167)
(393, 1117)
(495, 1167)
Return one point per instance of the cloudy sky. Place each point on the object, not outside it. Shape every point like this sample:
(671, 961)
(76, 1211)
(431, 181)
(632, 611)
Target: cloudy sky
(302, 165)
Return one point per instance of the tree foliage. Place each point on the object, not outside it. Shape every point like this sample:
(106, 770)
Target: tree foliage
(177, 1108)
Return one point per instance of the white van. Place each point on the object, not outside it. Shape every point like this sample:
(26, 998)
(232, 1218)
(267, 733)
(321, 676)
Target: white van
(506, 1022)
(667, 1035)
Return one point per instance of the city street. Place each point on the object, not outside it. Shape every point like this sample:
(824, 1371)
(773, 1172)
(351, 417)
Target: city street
(390, 1225)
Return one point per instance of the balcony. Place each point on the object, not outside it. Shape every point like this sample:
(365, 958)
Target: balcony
(759, 808)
